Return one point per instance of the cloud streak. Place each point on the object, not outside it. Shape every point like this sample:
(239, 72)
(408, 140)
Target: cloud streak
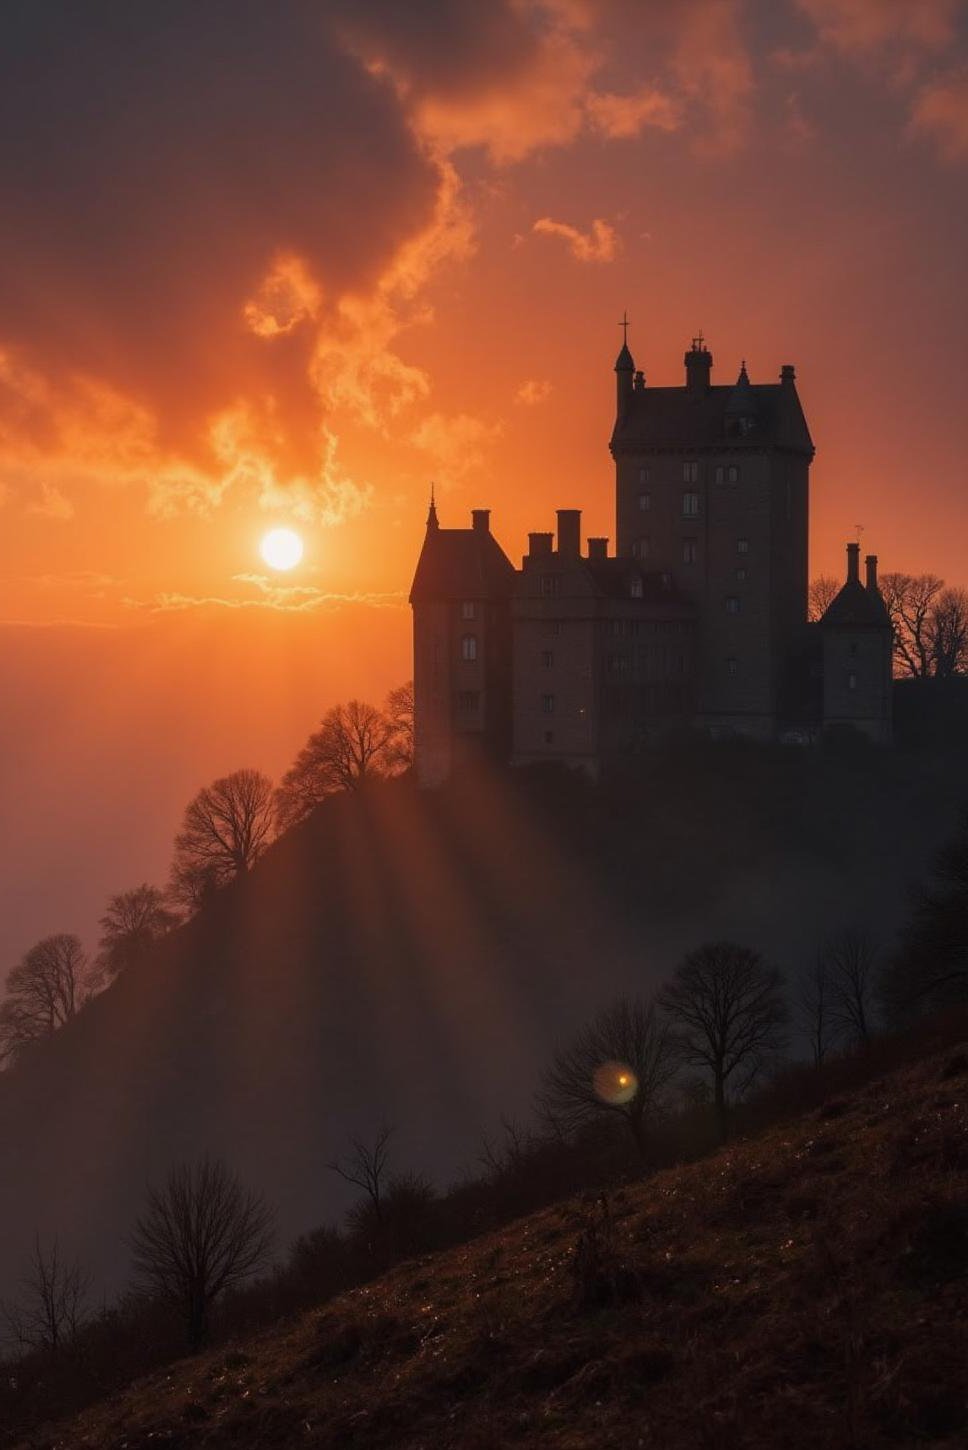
(599, 244)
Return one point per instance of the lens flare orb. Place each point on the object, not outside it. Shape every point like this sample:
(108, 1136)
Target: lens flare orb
(615, 1083)
(281, 549)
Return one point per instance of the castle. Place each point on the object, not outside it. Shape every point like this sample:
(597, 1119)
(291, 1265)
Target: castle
(698, 619)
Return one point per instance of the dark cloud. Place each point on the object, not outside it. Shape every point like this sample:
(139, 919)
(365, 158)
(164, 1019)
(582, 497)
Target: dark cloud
(155, 156)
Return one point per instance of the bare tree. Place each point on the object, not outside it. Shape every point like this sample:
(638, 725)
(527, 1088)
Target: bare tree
(910, 599)
(44, 990)
(947, 634)
(366, 1166)
(618, 1066)
(201, 1233)
(816, 1008)
(820, 595)
(398, 709)
(51, 1306)
(850, 961)
(226, 828)
(726, 1005)
(132, 922)
(350, 747)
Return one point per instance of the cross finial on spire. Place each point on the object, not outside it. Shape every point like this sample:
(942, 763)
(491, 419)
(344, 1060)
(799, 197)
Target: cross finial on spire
(624, 325)
(432, 522)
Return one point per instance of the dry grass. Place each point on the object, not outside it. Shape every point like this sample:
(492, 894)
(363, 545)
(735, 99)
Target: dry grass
(805, 1288)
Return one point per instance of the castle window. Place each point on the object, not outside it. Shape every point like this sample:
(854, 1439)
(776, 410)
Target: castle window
(635, 588)
(732, 665)
(690, 472)
(547, 659)
(618, 664)
(732, 473)
(550, 584)
(468, 647)
(852, 681)
(690, 505)
(742, 546)
(645, 502)
(733, 605)
(853, 650)
(741, 576)
(547, 704)
(720, 474)
(640, 547)
(468, 701)
(643, 475)
(467, 610)
(689, 551)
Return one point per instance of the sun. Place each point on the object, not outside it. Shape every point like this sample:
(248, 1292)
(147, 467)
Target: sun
(281, 548)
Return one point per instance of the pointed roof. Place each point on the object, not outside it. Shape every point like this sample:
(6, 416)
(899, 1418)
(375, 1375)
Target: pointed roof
(625, 363)
(461, 564)
(432, 521)
(741, 402)
(855, 606)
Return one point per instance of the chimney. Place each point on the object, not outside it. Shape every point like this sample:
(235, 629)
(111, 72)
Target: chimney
(481, 520)
(853, 563)
(539, 546)
(788, 374)
(871, 562)
(569, 533)
(598, 549)
(699, 364)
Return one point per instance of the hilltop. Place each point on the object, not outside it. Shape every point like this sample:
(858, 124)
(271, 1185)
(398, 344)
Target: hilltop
(805, 1287)
(415, 955)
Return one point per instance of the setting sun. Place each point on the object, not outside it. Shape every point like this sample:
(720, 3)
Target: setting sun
(281, 549)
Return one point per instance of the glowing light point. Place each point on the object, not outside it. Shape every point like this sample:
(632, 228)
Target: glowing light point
(281, 549)
(615, 1083)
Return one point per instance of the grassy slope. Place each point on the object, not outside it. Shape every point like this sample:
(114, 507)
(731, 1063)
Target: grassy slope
(803, 1288)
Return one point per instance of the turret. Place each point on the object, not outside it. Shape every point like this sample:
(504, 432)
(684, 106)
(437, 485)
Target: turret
(624, 375)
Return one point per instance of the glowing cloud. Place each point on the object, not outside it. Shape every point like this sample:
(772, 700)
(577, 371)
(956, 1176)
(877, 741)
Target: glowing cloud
(598, 245)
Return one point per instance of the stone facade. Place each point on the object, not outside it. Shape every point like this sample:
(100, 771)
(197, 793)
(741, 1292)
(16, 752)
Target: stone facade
(698, 619)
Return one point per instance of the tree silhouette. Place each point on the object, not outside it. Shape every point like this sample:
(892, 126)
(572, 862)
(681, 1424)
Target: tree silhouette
(44, 991)
(351, 746)
(816, 1008)
(51, 1306)
(201, 1233)
(399, 711)
(132, 922)
(726, 1005)
(617, 1066)
(947, 634)
(226, 828)
(822, 592)
(366, 1166)
(850, 959)
(930, 970)
(910, 600)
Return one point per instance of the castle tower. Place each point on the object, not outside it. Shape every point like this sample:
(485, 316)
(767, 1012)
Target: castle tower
(712, 493)
(857, 654)
(461, 647)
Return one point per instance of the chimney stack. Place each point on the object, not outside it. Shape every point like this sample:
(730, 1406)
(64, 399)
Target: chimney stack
(853, 563)
(871, 562)
(481, 520)
(569, 533)
(539, 546)
(598, 549)
(699, 365)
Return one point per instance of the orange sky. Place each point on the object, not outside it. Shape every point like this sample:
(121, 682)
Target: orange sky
(286, 264)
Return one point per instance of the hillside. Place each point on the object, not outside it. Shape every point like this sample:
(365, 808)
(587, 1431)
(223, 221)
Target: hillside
(415, 955)
(804, 1288)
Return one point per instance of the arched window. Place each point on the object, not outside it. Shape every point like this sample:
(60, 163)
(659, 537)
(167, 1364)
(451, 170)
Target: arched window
(468, 647)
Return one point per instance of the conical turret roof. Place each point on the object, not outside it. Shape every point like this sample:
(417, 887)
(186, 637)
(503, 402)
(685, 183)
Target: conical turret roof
(741, 402)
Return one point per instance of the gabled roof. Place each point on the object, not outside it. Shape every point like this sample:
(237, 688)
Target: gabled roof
(856, 605)
(461, 564)
(655, 417)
